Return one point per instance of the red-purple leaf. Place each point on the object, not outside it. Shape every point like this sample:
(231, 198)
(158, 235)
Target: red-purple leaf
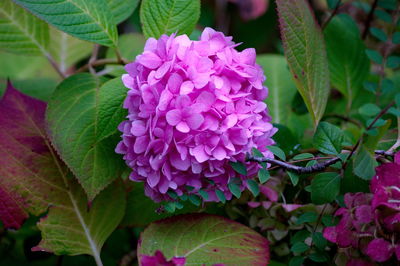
(204, 239)
(29, 175)
(11, 214)
(33, 180)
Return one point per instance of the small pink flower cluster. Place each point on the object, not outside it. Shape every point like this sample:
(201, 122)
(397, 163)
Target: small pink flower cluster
(370, 223)
(193, 107)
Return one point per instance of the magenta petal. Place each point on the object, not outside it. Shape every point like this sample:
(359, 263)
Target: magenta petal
(183, 127)
(138, 128)
(149, 60)
(219, 153)
(199, 153)
(194, 121)
(178, 163)
(174, 82)
(379, 250)
(174, 117)
(141, 144)
(186, 87)
(330, 233)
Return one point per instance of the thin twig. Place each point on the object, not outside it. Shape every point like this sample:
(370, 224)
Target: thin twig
(344, 118)
(369, 19)
(100, 62)
(55, 66)
(332, 15)
(295, 168)
(353, 150)
(308, 169)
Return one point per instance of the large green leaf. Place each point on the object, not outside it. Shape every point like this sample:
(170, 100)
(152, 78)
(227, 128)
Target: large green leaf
(122, 9)
(205, 239)
(168, 16)
(67, 50)
(34, 177)
(348, 63)
(71, 229)
(88, 20)
(325, 187)
(20, 31)
(82, 117)
(281, 88)
(305, 51)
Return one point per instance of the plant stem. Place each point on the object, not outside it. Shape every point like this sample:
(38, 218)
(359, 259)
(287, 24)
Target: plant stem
(55, 66)
(332, 15)
(100, 62)
(369, 19)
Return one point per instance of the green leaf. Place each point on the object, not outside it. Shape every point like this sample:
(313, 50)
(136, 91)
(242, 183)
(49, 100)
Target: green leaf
(296, 261)
(20, 31)
(220, 195)
(239, 167)
(369, 109)
(383, 15)
(328, 138)
(234, 189)
(299, 247)
(195, 200)
(325, 187)
(329, 220)
(319, 240)
(371, 142)
(351, 183)
(305, 51)
(278, 152)
(388, 4)
(263, 176)
(396, 38)
(374, 56)
(33, 173)
(364, 164)
(393, 61)
(320, 256)
(300, 236)
(253, 187)
(302, 156)
(215, 236)
(70, 229)
(281, 88)
(87, 20)
(129, 45)
(67, 50)
(294, 178)
(82, 117)
(332, 4)
(308, 217)
(204, 194)
(122, 9)
(165, 17)
(348, 63)
(379, 34)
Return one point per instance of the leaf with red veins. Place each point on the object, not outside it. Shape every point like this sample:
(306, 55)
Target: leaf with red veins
(11, 213)
(29, 175)
(33, 180)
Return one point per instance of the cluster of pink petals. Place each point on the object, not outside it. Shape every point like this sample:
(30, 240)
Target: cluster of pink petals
(193, 107)
(370, 223)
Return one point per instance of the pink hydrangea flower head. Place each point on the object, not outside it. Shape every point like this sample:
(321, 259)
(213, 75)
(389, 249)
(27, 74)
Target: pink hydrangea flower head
(194, 106)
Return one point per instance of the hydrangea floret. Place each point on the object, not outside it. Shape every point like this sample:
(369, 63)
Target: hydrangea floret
(193, 107)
